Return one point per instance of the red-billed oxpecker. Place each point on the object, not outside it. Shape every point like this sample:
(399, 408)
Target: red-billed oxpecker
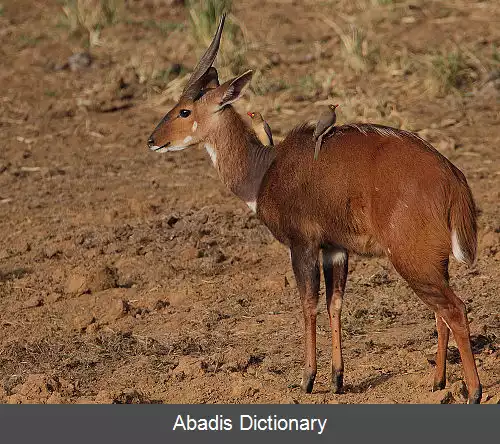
(261, 128)
(325, 124)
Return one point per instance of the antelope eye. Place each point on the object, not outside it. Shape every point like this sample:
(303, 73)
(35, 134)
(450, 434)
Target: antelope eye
(184, 113)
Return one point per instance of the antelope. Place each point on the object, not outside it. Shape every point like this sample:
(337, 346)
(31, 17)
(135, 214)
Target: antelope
(375, 190)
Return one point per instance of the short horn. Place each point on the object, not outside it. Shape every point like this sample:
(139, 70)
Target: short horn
(194, 85)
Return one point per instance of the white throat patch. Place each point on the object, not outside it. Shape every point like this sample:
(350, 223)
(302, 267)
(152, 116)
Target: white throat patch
(252, 205)
(211, 151)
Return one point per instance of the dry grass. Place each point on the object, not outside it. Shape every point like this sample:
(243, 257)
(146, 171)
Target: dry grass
(450, 71)
(204, 17)
(88, 17)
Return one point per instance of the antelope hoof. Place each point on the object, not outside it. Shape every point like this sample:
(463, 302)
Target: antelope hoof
(438, 385)
(307, 382)
(475, 398)
(337, 382)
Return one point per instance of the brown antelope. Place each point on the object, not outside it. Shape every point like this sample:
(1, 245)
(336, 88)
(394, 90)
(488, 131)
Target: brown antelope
(375, 190)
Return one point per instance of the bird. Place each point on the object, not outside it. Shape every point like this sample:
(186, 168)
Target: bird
(261, 128)
(325, 124)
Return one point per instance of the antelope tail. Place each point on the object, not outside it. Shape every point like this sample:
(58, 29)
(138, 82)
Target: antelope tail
(463, 226)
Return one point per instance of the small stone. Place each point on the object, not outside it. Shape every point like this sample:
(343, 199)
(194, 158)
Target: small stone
(119, 308)
(242, 388)
(52, 252)
(187, 367)
(35, 301)
(76, 284)
(53, 297)
(113, 247)
(189, 253)
(202, 218)
(489, 242)
(459, 390)
(441, 397)
(92, 328)
(103, 279)
(81, 322)
(55, 398)
(104, 397)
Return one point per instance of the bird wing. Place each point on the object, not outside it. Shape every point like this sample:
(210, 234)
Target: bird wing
(267, 129)
(321, 127)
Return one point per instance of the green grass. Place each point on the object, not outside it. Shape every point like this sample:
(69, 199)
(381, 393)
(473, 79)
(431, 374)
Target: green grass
(262, 84)
(87, 18)
(204, 18)
(29, 40)
(495, 54)
(165, 75)
(50, 93)
(164, 27)
(451, 72)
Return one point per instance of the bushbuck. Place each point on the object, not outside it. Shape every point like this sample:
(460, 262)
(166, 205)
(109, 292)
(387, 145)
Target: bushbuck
(374, 190)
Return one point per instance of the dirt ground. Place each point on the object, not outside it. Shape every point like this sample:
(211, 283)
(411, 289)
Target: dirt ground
(128, 276)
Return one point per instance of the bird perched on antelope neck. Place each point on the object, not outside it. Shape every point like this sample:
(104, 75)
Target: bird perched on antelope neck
(261, 128)
(325, 124)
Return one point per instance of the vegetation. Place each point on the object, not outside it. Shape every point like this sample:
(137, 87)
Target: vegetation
(204, 18)
(87, 17)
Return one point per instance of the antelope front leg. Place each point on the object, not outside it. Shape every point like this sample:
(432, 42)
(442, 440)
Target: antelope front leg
(335, 266)
(306, 269)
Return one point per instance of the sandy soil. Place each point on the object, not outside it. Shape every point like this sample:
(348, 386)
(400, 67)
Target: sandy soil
(127, 276)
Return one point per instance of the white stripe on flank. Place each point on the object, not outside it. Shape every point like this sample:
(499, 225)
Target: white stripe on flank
(455, 247)
(187, 139)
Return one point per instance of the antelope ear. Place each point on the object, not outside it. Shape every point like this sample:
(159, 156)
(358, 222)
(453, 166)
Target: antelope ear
(231, 90)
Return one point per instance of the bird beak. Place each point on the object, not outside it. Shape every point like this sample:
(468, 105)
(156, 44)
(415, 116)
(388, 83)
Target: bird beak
(250, 114)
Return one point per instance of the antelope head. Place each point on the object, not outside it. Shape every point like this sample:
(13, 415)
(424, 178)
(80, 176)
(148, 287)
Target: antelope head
(198, 109)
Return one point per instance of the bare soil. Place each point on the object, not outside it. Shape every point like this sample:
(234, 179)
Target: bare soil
(128, 276)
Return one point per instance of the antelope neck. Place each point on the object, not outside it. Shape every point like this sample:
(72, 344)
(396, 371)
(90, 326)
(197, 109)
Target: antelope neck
(240, 158)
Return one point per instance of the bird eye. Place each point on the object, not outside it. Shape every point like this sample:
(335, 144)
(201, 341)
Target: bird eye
(184, 113)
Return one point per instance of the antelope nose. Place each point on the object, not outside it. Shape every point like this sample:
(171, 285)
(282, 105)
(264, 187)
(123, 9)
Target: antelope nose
(151, 142)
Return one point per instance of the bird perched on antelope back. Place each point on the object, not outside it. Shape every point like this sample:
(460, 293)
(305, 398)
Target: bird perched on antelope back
(261, 128)
(325, 124)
